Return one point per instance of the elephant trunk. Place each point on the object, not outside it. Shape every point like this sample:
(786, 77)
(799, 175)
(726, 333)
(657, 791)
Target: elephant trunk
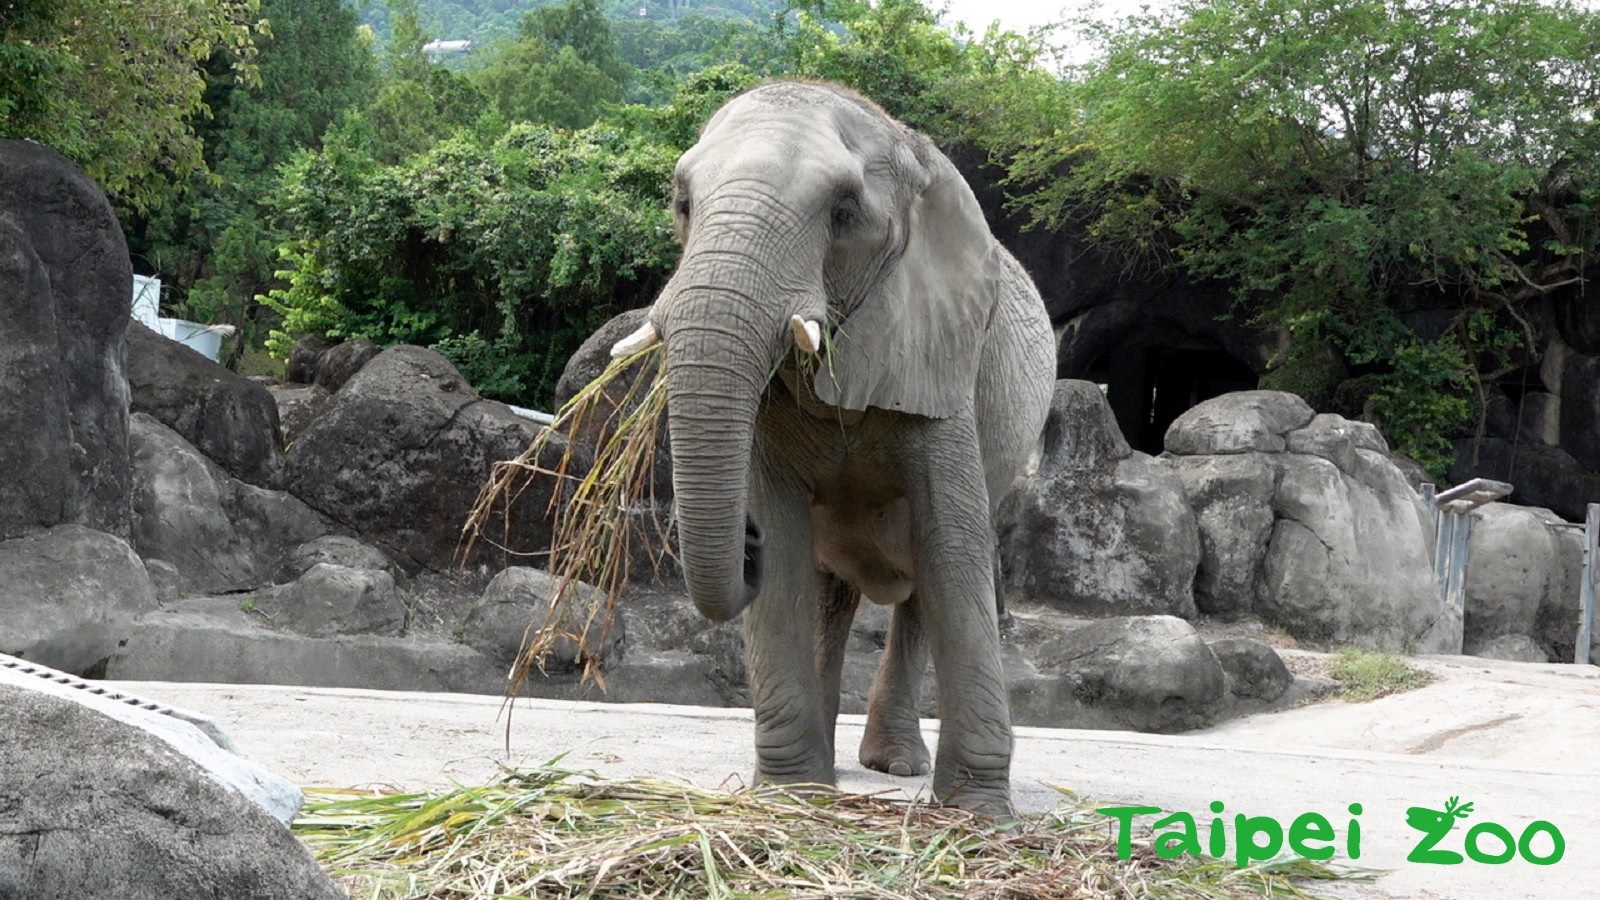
(720, 349)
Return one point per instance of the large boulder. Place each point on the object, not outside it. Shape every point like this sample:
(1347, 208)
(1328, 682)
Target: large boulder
(228, 417)
(1350, 558)
(335, 549)
(340, 363)
(618, 397)
(1232, 500)
(516, 604)
(221, 533)
(1098, 529)
(1524, 565)
(98, 807)
(297, 405)
(398, 456)
(1238, 423)
(301, 367)
(67, 286)
(1308, 522)
(331, 600)
(1153, 673)
(68, 596)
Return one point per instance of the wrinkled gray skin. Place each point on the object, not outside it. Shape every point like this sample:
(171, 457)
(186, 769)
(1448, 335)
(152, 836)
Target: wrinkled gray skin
(873, 469)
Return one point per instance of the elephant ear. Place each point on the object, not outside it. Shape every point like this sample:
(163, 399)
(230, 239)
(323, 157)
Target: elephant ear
(913, 346)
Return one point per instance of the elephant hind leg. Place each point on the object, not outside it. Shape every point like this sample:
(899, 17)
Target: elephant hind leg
(837, 602)
(893, 740)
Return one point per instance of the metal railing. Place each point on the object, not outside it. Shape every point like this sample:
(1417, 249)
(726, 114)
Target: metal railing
(1451, 514)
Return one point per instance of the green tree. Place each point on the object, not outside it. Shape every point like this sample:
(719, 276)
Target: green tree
(502, 253)
(562, 69)
(1344, 165)
(116, 84)
(215, 244)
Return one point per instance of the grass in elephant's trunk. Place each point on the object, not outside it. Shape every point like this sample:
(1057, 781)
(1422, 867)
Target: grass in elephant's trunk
(554, 833)
(594, 511)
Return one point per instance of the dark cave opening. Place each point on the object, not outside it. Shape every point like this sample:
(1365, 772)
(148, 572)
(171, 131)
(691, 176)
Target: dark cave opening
(1148, 386)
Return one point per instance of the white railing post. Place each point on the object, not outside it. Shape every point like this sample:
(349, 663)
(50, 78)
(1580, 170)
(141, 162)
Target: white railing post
(1591, 534)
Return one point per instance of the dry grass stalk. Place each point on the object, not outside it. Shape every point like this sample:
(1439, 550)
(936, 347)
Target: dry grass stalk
(593, 510)
(553, 833)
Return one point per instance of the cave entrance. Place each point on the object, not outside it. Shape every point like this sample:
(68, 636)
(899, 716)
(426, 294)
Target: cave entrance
(1148, 386)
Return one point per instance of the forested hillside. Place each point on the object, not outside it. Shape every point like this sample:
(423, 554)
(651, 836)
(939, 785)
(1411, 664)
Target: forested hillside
(1402, 195)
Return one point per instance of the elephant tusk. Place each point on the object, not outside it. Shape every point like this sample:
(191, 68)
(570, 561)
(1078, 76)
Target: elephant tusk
(645, 336)
(807, 334)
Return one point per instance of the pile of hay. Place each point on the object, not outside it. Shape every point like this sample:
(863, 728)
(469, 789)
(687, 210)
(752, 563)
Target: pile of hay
(554, 833)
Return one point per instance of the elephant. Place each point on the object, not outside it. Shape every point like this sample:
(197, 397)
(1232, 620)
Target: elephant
(856, 373)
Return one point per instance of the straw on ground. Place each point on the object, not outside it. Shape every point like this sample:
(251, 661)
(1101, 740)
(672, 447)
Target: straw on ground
(554, 833)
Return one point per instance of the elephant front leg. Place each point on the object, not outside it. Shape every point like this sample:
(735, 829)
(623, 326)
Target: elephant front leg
(780, 628)
(893, 739)
(954, 551)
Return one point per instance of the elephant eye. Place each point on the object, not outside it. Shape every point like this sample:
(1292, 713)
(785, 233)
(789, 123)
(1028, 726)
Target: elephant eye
(845, 212)
(682, 206)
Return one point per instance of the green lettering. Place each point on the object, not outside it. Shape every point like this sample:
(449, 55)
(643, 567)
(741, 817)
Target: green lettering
(1353, 842)
(1501, 834)
(1173, 844)
(1124, 816)
(1558, 843)
(1219, 837)
(1311, 827)
(1246, 829)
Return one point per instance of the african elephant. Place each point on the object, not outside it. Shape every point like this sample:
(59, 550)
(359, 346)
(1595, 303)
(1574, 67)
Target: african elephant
(856, 373)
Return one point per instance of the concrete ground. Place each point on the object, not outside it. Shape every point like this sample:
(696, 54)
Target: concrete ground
(1521, 742)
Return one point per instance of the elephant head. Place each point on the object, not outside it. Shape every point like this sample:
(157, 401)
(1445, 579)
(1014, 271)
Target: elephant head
(809, 219)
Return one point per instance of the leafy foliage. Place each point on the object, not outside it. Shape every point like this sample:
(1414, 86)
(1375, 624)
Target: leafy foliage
(214, 241)
(115, 84)
(503, 252)
(1344, 165)
(563, 68)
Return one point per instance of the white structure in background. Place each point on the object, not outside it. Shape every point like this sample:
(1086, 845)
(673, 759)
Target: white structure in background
(205, 340)
(437, 50)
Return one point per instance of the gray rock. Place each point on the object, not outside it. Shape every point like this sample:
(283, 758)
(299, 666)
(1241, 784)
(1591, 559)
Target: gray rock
(340, 363)
(68, 595)
(1510, 647)
(587, 364)
(1110, 542)
(1153, 672)
(196, 736)
(228, 417)
(210, 639)
(66, 280)
(1350, 557)
(516, 604)
(1254, 670)
(167, 579)
(297, 404)
(1080, 432)
(221, 533)
(1232, 501)
(97, 807)
(1522, 563)
(303, 356)
(337, 550)
(1238, 423)
(399, 455)
(330, 600)
(1336, 439)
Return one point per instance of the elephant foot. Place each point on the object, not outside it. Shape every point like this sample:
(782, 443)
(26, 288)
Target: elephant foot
(818, 777)
(995, 803)
(897, 754)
